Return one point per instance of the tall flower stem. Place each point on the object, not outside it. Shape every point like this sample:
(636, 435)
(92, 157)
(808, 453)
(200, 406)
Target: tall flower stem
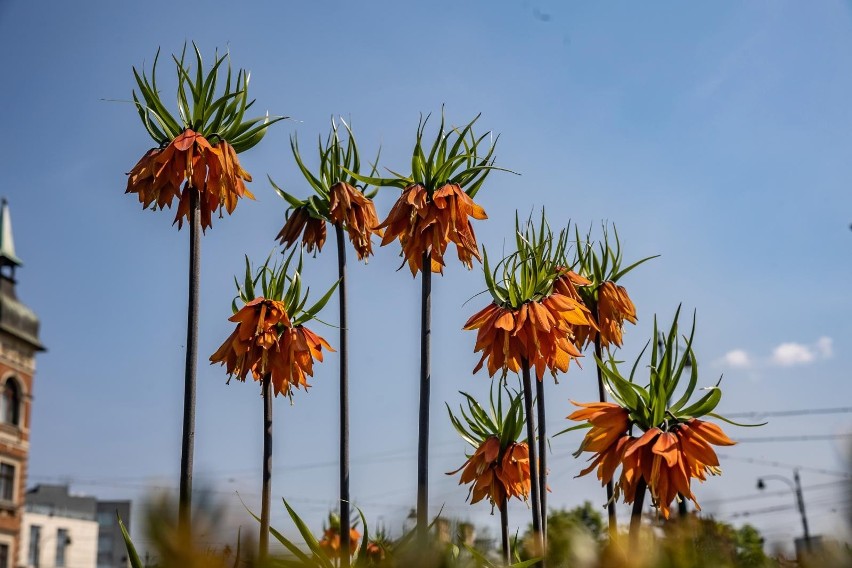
(344, 401)
(267, 466)
(610, 502)
(188, 438)
(504, 531)
(542, 461)
(531, 443)
(636, 514)
(425, 378)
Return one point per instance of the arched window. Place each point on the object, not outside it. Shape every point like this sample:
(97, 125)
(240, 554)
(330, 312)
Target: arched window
(11, 402)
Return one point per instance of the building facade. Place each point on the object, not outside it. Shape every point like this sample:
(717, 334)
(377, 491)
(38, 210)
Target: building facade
(58, 530)
(62, 530)
(112, 552)
(19, 343)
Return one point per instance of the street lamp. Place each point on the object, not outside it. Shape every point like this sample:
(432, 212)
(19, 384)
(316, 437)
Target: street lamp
(796, 486)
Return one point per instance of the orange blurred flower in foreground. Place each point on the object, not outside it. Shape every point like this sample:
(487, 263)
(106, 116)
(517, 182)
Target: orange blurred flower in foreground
(349, 208)
(494, 476)
(667, 461)
(300, 220)
(214, 171)
(428, 225)
(255, 346)
(540, 331)
(330, 542)
(375, 552)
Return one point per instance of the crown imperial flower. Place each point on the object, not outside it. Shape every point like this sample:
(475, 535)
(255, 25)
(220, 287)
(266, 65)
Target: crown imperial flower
(336, 200)
(675, 445)
(268, 340)
(436, 203)
(499, 468)
(197, 152)
(535, 312)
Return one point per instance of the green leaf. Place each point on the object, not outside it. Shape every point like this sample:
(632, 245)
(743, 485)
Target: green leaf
(581, 426)
(361, 557)
(237, 554)
(315, 309)
(526, 563)
(690, 387)
(315, 183)
(705, 404)
(641, 353)
(479, 413)
(145, 115)
(152, 99)
(248, 283)
(251, 138)
(210, 123)
(291, 200)
(133, 556)
(723, 419)
(466, 436)
(309, 538)
(399, 182)
(295, 550)
(621, 273)
(622, 387)
(225, 110)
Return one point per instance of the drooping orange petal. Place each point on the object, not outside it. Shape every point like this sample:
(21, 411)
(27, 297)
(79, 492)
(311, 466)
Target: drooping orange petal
(427, 225)
(189, 165)
(710, 432)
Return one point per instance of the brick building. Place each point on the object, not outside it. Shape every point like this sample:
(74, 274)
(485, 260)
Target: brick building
(19, 344)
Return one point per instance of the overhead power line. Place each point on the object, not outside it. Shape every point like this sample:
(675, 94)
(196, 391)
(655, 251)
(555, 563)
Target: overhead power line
(775, 509)
(793, 412)
(798, 438)
(788, 466)
(834, 503)
(766, 494)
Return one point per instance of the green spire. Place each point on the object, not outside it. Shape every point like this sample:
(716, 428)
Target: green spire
(7, 243)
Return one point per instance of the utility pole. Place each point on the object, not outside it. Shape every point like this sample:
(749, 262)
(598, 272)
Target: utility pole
(796, 486)
(801, 502)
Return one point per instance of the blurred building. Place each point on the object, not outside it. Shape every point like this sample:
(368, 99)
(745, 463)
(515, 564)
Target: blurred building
(112, 552)
(19, 344)
(58, 529)
(63, 530)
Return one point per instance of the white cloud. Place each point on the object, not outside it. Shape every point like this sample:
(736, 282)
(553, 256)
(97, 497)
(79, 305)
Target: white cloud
(737, 358)
(824, 347)
(787, 354)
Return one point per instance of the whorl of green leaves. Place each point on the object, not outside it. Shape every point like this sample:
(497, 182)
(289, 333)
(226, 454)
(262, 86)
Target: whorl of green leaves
(603, 263)
(477, 425)
(528, 273)
(455, 157)
(277, 283)
(339, 162)
(316, 556)
(216, 116)
(480, 560)
(660, 403)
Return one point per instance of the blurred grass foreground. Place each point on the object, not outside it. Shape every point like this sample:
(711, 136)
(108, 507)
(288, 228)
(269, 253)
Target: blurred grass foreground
(577, 538)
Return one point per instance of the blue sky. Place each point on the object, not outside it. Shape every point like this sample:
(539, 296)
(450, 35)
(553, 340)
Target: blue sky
(714, 135)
